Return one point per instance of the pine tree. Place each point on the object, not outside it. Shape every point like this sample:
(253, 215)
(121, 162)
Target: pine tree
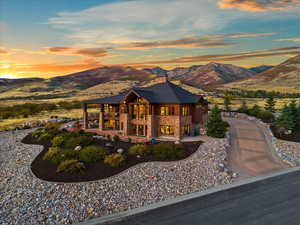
(227, 103)
(270, 104)
(243, 108)
(215, 126)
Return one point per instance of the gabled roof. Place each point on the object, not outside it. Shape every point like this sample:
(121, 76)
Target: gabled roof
(161, 93)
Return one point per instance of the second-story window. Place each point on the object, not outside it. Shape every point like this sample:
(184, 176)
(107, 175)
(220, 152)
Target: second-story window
(167, 111)
(139, 111)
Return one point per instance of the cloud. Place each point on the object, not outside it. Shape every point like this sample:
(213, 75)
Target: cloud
(88, 52)
(259, 5)
(142, 20)
(190, 42)
(4, 52)
(289, 51)
(208, 41)
(290, 39)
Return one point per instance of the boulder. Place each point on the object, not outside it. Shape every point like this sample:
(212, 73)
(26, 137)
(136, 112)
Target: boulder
(120, 150)
(78, 148)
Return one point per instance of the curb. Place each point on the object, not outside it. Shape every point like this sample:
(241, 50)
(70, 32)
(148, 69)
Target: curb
(122, 215)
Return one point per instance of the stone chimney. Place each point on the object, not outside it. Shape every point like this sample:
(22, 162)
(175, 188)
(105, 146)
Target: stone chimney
(162, 79)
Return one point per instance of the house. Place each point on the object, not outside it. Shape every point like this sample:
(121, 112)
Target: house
(163, 110)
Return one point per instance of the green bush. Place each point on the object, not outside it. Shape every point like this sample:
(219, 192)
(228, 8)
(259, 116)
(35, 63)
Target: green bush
(114, 160)
(138, 149)
(266, 116)
(61, 139)
(92, 154)
(37, 133)
(57, 155)
(57, 141)
(168, 151)
(72, 142)
(53, 154)
(71, 166)
(44, 137)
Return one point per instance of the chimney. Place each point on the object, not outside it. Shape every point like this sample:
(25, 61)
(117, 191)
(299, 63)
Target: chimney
(162, 79)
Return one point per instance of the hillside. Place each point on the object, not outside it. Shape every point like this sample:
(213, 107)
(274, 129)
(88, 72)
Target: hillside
(206, 75)
(89, 78)
(284, 78)
(69, 85)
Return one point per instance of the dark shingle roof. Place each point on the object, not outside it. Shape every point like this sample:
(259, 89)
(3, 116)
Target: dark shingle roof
(160, 93)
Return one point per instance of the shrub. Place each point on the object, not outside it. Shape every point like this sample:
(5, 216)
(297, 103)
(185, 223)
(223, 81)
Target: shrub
(57, 141)
(138, 149)
(168, 151)
(44, 137)
(71, 166)
(53, 154)
(114, 160)
(92, 154)
(72, 142)
(266, 116)
(116, 138)
(57, 155)
(37, 133)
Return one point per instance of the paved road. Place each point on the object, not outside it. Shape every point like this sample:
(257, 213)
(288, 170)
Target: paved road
(273, 201)
(250, 154)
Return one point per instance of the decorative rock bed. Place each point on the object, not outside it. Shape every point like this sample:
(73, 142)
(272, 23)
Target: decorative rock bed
(25, 199)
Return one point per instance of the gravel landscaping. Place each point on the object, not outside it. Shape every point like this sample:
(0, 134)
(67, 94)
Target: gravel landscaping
(25, 199)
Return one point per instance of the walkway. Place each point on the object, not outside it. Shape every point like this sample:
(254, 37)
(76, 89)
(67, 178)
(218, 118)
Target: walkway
(250, 154)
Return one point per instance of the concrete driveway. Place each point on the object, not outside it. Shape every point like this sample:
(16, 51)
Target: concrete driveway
(250, 155)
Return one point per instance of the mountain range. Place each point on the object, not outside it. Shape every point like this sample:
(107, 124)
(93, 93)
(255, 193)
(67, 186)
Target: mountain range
(283, 77)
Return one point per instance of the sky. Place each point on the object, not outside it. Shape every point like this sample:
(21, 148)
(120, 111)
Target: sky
(58, 37)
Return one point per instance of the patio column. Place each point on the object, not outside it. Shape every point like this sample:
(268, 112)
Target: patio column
(101, 114)
(85, 116)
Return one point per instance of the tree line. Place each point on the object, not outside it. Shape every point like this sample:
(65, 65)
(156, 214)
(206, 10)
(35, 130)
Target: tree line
(260, 94)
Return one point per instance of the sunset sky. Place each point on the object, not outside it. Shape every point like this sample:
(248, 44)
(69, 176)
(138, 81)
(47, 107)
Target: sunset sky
(50, 38)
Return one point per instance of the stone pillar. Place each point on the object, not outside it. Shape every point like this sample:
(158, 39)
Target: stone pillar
(85, 116)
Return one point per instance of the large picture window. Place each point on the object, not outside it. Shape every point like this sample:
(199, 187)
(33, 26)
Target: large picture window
(167, 111)
(167, 130)
(138, 111)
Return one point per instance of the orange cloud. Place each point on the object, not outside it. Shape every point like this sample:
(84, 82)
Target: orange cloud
(258, 5)
(89, 52)
(4, 52)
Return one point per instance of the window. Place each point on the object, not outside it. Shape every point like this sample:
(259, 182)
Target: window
(185, 111)
(108, 108)
(167, 130)
(111, 124)
(185, 130)
(138, 112)
(167, 111)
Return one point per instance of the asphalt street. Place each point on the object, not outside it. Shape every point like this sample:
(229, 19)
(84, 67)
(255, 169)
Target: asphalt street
(273, 201)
